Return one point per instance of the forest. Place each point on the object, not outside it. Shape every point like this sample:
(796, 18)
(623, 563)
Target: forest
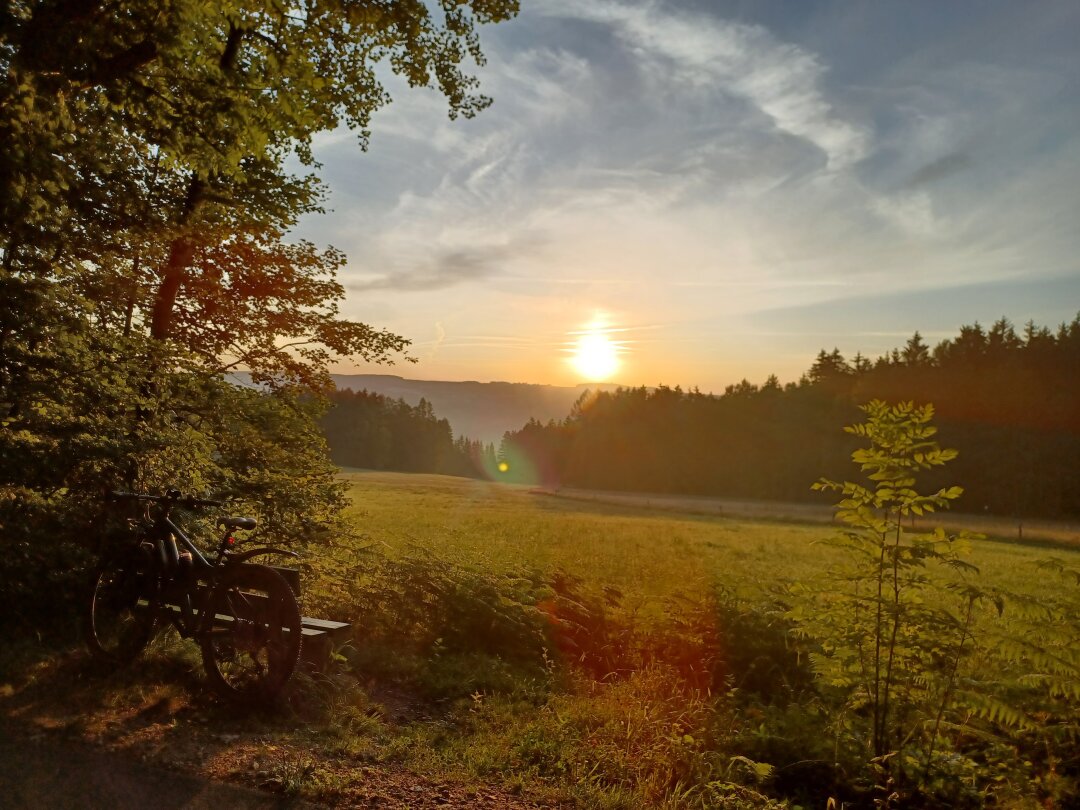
(1008, 401)
(375, 432)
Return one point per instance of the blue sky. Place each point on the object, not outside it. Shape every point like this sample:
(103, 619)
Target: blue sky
(729, 187)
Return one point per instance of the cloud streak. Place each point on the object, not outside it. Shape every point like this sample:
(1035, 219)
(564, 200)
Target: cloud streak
(707, 54)
(449, 269)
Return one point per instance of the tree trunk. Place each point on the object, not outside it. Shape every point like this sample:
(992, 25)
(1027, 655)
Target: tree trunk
(182, 249)
(181, 252)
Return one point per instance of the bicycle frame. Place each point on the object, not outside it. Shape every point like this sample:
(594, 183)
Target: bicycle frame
(193, 619)
(244, 616)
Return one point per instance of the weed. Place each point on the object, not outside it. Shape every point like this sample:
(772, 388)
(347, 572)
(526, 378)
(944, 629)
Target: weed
(292, 773)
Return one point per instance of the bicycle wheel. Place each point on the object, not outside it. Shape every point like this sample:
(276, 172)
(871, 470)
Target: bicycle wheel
(123, 607)
(252, 646)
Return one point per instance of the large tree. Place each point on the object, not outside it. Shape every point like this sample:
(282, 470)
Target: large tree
(145, 196)
(215, 95)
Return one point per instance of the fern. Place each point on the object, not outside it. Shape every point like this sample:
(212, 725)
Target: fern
(992, 709)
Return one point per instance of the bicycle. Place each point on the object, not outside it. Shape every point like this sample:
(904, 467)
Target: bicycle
(243, 615)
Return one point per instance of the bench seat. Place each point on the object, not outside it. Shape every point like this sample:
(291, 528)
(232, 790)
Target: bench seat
(320, 636)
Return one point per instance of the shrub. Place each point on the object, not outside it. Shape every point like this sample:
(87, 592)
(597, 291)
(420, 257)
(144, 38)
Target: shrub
(895, 626)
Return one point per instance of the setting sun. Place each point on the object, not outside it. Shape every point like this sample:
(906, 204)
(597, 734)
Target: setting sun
(596, 355)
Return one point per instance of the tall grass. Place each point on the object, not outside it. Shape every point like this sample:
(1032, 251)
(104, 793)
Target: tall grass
(620, 657)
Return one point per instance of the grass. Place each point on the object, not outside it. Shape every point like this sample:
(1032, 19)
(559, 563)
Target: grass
(561, 736)
(648, 553)
(554, 651)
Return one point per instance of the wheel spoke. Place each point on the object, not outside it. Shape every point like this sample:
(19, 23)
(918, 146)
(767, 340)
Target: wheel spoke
(253, 656)
(122, 612)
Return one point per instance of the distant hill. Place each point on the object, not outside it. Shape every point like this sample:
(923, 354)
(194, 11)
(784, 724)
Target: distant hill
(478, 410)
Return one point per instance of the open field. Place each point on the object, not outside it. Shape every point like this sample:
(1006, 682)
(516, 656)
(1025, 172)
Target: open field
(1056, 532)
(643, 542)
(682, 579)
(514, 649)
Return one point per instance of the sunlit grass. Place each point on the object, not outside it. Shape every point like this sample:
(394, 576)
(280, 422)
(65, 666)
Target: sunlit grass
(645, 552)
(569, 739)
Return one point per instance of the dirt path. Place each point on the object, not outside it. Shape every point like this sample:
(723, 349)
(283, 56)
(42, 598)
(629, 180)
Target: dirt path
(150, 737)
(39, 771)
(1035, 531)
(57, 769)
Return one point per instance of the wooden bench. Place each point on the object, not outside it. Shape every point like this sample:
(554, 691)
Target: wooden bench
(320, 636)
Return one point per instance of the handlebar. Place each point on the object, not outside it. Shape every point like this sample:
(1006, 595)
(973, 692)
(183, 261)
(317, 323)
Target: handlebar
(171, 497)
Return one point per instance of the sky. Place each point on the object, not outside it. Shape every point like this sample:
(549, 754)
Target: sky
(718, 190)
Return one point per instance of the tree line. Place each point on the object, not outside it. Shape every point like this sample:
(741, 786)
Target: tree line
(376, 432)
(1008, 401)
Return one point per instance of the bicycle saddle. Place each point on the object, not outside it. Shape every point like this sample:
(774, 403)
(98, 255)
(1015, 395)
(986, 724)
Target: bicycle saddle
(238, 523)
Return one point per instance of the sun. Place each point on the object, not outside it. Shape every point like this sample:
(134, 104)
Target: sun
(595, 354)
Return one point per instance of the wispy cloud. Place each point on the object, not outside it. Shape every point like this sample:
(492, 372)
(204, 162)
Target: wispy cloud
(939, 169)
(447, 270)
(911, 211)
(711, 55)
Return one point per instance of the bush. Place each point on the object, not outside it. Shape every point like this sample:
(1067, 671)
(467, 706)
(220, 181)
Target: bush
(894, 628)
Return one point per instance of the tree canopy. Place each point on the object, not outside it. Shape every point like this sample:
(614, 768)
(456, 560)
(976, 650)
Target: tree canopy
(141, 134)
(148, 181)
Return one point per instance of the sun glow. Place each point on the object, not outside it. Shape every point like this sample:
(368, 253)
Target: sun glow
(595, 354)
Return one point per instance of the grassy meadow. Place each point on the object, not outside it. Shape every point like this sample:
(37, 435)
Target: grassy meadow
(647, 551)
(614, 656)
(516, 649)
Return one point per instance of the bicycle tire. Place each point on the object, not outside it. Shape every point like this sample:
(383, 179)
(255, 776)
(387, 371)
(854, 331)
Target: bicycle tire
(122, 609)
(252, 644)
